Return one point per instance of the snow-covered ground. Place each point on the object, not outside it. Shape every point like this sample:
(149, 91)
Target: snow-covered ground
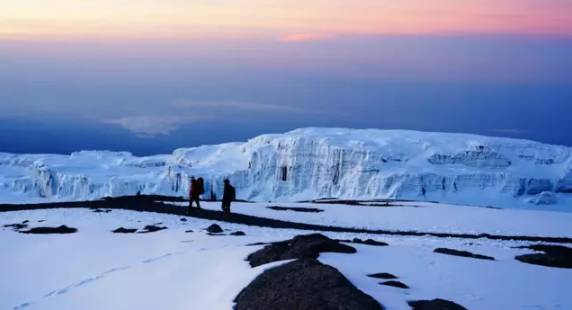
(174, 269)
(313, 163)
(417, 216)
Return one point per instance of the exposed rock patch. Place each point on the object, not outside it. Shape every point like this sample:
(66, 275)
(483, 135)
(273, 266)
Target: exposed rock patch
(382, 275)
(303, 284)
(97, 210)
(435, 304)
(214, 229)
(63, 229)
(394, 283)
(296, 209)
(551, 256)
(369, 242)
(152, 228)
(17, 226)
(462, 253)
(123, 230)
(238, 233)
(303, 246)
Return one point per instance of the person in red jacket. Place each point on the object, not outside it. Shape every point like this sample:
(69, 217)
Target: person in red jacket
(194, 193)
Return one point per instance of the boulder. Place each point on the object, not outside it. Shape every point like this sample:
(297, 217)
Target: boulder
(550, 256)
(63, 229)
(214, 229)
(303, 246)
(435, 304)
(303, 284)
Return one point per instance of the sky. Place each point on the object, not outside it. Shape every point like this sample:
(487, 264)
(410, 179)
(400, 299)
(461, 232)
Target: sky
(150, 76)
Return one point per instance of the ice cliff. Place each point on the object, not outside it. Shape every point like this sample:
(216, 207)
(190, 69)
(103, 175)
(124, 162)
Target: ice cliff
(312, 163)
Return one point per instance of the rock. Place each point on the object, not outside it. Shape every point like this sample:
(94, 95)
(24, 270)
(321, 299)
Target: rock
(257, 243)
(394, 283)
(152, 228)
(50, 230)
(382, 275)
(189, 231)
(296, 209)
(369, 242)
(238, 233)
(16, 226)
(462, 253)
(101, 210)
(214, 229)
(435, 304)
(552, 256)
(303, 246)
(123, 230)
(183, 219)
(303, 284)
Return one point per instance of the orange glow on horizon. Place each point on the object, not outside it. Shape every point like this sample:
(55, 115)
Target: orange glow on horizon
(286, 20)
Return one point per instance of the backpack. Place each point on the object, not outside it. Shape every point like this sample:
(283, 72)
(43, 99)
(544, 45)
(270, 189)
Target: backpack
(232, 192)
(201, 185)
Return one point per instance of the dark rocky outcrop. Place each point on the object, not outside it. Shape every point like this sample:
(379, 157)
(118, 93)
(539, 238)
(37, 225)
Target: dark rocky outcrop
(303, 284)
(123, 230)
(238, 233)
(152, 228)
(101, 210)
(214, 229)
(551, 256)
(303, 246)
(435, 304)
(17, 226)
(183, 219)
(394, 283)
(296, 209)
(369, 242)
(63, 229)
(382, 275)
(462, 253)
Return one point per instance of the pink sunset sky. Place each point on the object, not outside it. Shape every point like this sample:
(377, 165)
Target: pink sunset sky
(288, 20)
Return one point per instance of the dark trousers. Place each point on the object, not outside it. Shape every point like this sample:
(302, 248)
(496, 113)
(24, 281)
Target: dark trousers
(194, 199)
(226, 206)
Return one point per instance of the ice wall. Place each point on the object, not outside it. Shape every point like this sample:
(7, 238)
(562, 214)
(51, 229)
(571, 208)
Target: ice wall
(312, 163)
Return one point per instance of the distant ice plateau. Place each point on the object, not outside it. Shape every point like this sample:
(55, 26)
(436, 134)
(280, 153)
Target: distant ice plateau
(313, 163)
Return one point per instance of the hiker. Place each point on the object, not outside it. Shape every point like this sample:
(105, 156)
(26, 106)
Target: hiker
(229, 194)
(194, 193)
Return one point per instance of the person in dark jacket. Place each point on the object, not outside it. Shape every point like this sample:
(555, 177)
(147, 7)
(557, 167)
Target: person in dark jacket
(194, 193)
(229, 195)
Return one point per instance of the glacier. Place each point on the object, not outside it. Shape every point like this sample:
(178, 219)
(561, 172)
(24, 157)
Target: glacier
(312, 163)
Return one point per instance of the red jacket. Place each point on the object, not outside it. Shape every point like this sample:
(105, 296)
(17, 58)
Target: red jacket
(194, 189)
